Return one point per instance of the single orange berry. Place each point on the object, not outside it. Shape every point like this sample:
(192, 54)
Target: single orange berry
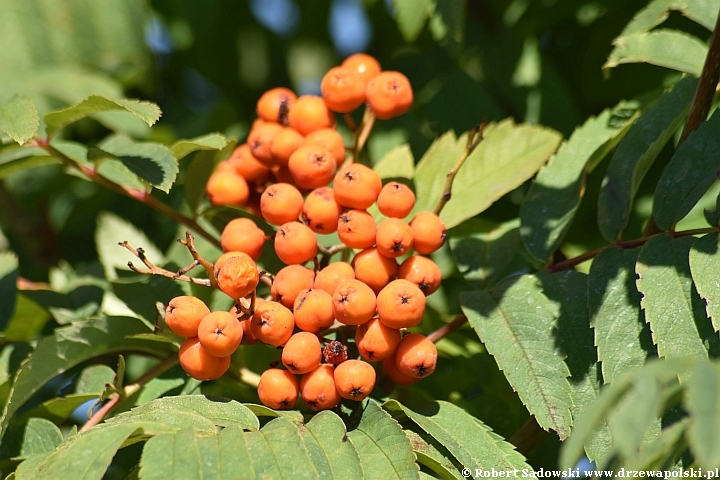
(320, 211)
(376, 341)
(318, 388)
(247, 166)
(401, 304)
(227, 188)
(295, 243)
(330, 277)
(367, 66)
(389, 95)
(302, 353)
(243, 235)
(331, 140)
(421, 271)
(199, 363)
(278, 389)
(289, 282)
(356, 186)
(237, 274)
(281, 203)
(354, 303)
(184, 314)
(374, 269)
(259, 140)
(309, 113)
(220, 333)
(429, 232)
(335, 353)
(391, 370)
(342, 89)
(396, 200)
(312, 166)
(272, 323)
(354, 379)
(284, 144)
(416, 356)
(274, 105)
(394, 238)
(356, 229)
(313, 310)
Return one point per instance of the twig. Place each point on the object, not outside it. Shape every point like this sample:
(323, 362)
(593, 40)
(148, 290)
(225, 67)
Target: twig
(98, 416)
(350, 122)
(361, 136)
(528, 436)
(475, 136)
(189, 242)
(458, 322)
(155, 270)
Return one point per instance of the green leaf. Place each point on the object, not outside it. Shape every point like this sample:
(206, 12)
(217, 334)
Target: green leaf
(622, 338)
(277, 451)
(665, 48)
(656, 12)
(111, 230)
(483, 250)
(225, 455)
(411, 16)
(659, 451)
(397, 163)
(383, 448)
(636, 153)
(39, 436)
(27, 321)
(691, 172)
(469, 440)
(196, 177)
(702, 400)
(509, 155)
(427, 454)
(59, 409)
(8, 290)
(148, 112)
(713, 216)
(516, 323)
(93, 379)
(325, 438)
(672, 307)
(171, 421)
(172, 456)
(16, 159)
(19, 118)
(263, 411)
(211, 141)
(633, 419)
(447, 22)
(549, 207)
(704, 265)
(70, 346)
(151, 162)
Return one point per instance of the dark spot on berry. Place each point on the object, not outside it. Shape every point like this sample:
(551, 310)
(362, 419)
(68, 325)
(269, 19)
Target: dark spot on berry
(343, 299)
(424, 287)
(279, 298)
(444, 235)
(404, 299)
(218, 331)
(371, 355)
(171, 308)
(356, 392)
(319, 159)
(344, 218)
(285, 404)
(302, 301)
(311, 403)
(349, 176)
(421, 370)
(397, 247)
(291, 367)
(282, 232)
(319, 226)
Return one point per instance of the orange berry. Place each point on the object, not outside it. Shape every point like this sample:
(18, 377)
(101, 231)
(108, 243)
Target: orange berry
(416, 356)
(330, 277)
(320, 211)
(394, 238)
(247, 166)
(274, 105)
(199, 363)
(313, 310)
(184, 314)
(284, 144)
(259, 140)
(364, 64)
(391, 369)
(376, 341)
(331, 140)
(429, 232)
(243, 235)
(309, 113)
(281, 203)
(396, 200)
(302, 353)
(354, 302)
(278, 389)
(354, 379)
(401, 304)
(295, 243)
(312, 166)
(357, 186)
(220, 333)
(342, 89)
(318, 388)
(226, 187)
(272, 323)
(389, 94)
(237, 274)
(421, 271)
(289, 282)
(374, 269)
(356, 229)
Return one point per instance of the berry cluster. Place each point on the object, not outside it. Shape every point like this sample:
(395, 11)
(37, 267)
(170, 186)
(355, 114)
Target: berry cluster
(294, 143)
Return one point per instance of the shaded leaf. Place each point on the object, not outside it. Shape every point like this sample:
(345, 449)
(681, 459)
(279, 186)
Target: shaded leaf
(93, 379)
(447, 22)
(635, 154)
(702, 400)
(515, 321)
(411, 16)
(8, 290)
(148, 112)
(172, 456)
(59, 409)
(665, 48)
(704, 266)
(196, 177)
(656, 453)
(326, 440)
(692, 170)
(631, 421)
(211, 141)
(19, 118)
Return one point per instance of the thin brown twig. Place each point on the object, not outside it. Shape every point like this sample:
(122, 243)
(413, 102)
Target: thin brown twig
(475, 136)
(349, 122)
(189, 242)
(155, 270)
(441, 332)
(361, 136)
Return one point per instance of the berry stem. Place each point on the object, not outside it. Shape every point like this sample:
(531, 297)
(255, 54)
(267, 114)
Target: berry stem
(189, 242)
(155, 270)
(140, 195)
(349, 122)
(441, 332)
(361, 136)
(475, 136)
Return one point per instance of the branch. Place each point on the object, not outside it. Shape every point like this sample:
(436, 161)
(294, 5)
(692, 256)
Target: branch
(361, 135)
(155, 270)
(475, 136)
(441, 332)
(189, 242)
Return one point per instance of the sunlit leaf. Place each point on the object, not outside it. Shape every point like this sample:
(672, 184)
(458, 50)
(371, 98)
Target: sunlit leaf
(19, 118)
(665, 48)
